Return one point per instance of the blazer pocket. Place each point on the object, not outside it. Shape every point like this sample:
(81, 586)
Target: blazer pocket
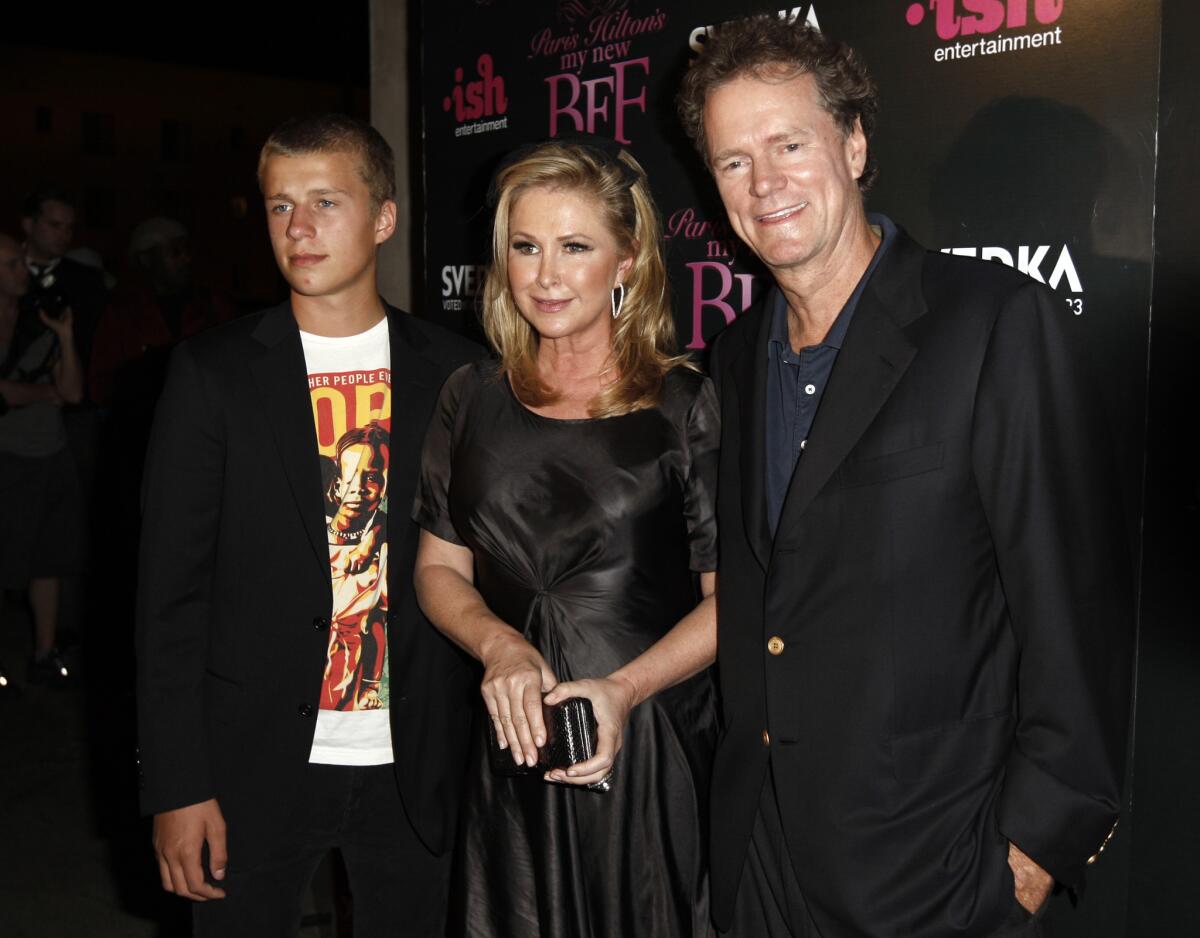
(876, 469)
(223, 698)
(975, 745)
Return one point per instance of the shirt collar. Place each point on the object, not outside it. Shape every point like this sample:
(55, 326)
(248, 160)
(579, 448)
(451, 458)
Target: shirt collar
(41, 269)
(777, 308)
(777, 305)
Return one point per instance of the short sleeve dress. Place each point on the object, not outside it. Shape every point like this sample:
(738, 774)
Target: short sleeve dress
(586, 536)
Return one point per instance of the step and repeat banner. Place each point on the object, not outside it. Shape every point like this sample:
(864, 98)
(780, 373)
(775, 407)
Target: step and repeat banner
(1021, 131)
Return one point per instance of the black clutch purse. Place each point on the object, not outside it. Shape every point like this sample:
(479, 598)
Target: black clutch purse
(570, 738)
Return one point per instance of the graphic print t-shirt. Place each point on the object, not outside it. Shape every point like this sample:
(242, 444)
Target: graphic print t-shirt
(349, 382)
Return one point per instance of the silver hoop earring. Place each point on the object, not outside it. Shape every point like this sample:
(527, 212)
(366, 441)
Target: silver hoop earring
(617, 302)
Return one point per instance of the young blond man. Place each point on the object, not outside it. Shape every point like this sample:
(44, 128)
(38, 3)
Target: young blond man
(254, 761)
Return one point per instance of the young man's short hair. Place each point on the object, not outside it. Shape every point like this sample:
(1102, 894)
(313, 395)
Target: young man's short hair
(337, 133)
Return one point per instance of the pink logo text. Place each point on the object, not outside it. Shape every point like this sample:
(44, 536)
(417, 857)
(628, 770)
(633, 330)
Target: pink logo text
(475, 99)
(983, 16)
(605, 100)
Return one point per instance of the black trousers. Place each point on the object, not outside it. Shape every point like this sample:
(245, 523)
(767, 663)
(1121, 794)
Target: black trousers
(770, 903)
(398, 888)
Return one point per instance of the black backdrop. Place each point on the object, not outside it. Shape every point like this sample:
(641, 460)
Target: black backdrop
(1032, 144)
(1019, 130)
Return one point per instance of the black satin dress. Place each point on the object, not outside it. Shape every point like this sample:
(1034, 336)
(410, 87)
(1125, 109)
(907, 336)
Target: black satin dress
(586, 535)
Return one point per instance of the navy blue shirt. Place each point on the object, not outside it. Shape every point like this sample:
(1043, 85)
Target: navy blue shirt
(796, 380)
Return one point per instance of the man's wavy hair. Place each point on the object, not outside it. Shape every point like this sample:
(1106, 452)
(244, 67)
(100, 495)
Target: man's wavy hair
(337, 133)
(770, 49)
(643, 337)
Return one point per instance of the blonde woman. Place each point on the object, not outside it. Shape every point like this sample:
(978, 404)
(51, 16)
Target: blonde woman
(569, 545)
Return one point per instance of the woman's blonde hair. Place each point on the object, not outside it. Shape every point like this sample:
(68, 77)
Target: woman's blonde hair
(643, 336)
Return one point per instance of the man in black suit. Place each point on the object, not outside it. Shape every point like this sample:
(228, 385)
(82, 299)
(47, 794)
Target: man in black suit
(924, 608)
(292, 698)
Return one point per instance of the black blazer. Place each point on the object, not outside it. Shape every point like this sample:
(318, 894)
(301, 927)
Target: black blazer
(234, 591)
(933, 655)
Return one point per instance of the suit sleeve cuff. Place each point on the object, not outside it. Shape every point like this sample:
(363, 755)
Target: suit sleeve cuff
(165, 783)
(1062, 829)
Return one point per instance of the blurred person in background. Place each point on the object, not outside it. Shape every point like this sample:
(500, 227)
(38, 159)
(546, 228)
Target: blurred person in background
(155, 307)
(48, 220)
(90, 257)
(42, 504)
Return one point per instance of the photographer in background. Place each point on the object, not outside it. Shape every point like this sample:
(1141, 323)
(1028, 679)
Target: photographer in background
(48, 222)
(39, 484)
(48, 219)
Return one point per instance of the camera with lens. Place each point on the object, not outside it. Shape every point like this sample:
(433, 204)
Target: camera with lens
(45, 295)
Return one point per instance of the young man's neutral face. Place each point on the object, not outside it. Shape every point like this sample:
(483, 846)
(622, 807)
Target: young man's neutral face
(324, 229)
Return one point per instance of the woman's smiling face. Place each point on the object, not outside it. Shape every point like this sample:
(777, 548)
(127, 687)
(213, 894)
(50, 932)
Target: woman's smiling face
(563, 263)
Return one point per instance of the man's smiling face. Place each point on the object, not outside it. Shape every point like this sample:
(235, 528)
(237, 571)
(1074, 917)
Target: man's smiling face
(786, 172)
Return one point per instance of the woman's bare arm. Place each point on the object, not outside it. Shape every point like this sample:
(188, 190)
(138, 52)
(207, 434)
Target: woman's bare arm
(515, 673)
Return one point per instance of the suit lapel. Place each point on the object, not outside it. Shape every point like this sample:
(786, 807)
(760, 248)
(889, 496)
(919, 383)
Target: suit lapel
(749, 370)
(415, 380)
(282, 381)
(873, 359)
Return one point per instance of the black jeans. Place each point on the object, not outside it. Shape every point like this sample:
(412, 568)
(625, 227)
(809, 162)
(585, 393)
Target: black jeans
(398, 888)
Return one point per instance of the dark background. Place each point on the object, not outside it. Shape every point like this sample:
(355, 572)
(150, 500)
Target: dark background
(1166, 812)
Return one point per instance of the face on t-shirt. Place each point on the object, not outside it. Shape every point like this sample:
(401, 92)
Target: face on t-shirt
(358, 490)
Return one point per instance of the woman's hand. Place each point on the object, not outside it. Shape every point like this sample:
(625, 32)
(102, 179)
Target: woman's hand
(515, 676)
(612, 698)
